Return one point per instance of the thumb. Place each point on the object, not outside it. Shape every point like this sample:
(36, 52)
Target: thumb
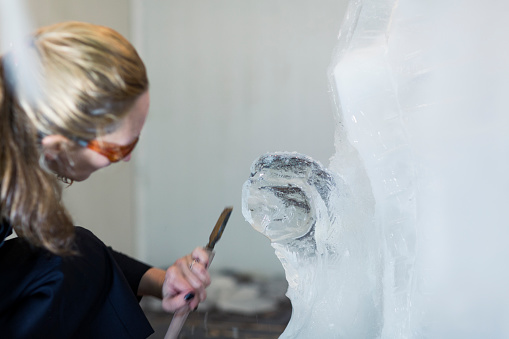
(179, 302)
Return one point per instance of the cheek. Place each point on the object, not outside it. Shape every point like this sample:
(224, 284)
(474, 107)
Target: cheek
(97, 161)
(90, 161)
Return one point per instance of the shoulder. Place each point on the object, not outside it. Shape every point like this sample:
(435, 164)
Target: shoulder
(5, 231)
(88, 290)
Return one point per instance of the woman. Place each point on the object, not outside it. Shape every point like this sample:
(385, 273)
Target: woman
(90, 104)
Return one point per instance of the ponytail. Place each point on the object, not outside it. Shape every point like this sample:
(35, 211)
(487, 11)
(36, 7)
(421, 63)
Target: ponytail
(89, 78)
(30, 196)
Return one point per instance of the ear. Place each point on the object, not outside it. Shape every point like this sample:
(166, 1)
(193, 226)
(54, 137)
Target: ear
(54, 145)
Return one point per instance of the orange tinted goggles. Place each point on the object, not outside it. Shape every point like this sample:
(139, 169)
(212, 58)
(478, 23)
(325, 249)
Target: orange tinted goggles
(113, 152)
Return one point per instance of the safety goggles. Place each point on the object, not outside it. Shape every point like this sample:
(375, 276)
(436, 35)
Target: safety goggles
(113, 152)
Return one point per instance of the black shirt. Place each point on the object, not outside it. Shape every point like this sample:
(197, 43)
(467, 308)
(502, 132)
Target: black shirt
(89, 295)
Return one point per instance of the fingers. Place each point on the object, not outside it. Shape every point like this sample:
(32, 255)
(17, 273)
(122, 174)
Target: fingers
(178, 293)
(180, 303)
(197, 273)
(185, 282)
(201, 255)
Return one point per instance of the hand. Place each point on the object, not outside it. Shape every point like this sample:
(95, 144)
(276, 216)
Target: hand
(185, 282)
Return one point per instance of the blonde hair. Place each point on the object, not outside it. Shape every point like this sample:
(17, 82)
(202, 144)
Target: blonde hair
(88, 77)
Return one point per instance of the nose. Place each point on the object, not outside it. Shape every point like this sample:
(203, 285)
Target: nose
(127, 158)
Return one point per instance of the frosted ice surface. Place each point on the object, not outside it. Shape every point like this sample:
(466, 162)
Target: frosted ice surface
(404, 235)
(306, 212)
(282, 201)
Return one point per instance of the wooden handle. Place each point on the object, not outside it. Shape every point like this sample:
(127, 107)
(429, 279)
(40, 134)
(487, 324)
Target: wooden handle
(179, 318)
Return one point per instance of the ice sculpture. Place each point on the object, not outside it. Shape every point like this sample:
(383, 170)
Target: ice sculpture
(312, 220)
(419, 176)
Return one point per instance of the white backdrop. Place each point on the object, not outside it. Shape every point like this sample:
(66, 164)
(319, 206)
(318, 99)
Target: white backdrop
(230, 80)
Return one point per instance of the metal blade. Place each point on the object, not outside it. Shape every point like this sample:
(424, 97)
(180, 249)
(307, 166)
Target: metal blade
(217, 232)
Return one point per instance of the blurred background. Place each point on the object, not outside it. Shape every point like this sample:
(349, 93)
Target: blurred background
(230, 80)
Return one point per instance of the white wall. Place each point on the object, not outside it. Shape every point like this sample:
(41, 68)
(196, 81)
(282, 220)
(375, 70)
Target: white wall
(230, 80)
